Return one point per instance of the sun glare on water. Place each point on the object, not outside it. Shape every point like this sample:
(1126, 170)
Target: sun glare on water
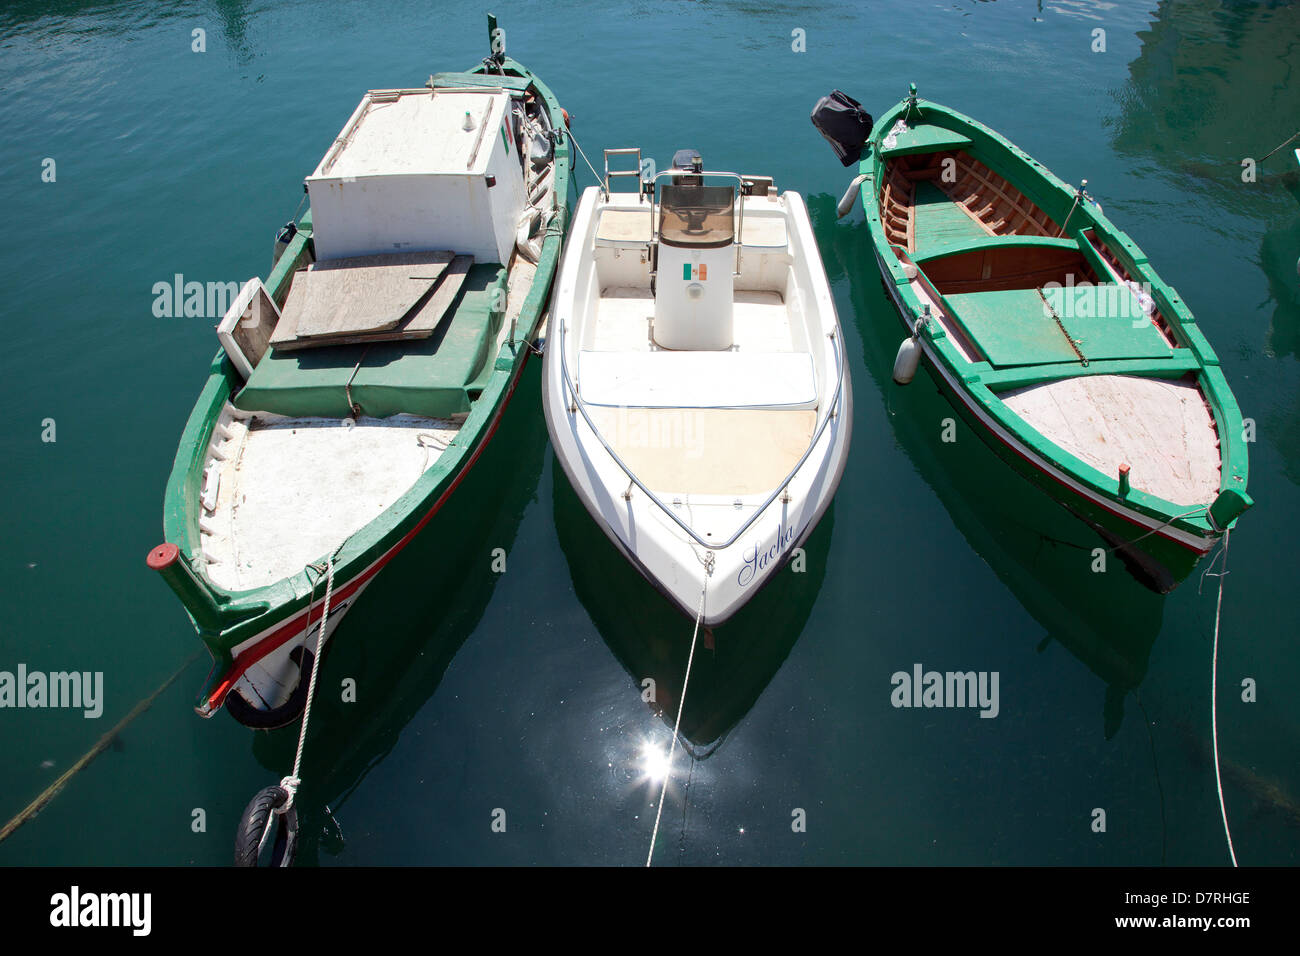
(654, 762)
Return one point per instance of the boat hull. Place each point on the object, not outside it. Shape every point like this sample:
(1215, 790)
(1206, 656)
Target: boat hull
(709, 583)
(258, 637)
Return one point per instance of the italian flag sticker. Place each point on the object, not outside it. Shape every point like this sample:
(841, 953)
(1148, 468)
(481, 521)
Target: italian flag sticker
(690, 272)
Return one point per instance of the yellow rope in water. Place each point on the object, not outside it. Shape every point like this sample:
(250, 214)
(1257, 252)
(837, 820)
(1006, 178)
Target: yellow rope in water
(50, 792)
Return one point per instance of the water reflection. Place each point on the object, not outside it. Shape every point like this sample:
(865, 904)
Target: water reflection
(1215, 84)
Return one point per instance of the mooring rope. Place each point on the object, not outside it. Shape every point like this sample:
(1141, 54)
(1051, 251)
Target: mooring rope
(1214, 691)
(291, 782)
(681, 705)
(599, 179)
(1286, 142)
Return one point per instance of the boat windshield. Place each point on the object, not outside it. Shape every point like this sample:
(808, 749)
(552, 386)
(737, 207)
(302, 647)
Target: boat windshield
(694, 215)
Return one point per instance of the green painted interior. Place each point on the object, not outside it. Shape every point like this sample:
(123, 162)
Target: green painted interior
(926, 139)
(941, 223)
(460, 368)
(1110, 332)
(985, 241)
(1011, 328)
(430, 377)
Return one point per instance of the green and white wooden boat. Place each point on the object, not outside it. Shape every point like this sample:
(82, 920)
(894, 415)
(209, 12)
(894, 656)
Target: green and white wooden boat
(1048, 329)
(358, 384)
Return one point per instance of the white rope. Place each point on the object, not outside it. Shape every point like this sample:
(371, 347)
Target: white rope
(1214, 698)
(681, 705)
(573, 139)
(291, 782)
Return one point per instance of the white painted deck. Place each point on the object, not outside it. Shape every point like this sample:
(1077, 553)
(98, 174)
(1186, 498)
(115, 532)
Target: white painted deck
(1161, 429)
(292, 489)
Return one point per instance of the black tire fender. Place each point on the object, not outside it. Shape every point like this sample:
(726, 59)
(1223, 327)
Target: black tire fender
(259, 817)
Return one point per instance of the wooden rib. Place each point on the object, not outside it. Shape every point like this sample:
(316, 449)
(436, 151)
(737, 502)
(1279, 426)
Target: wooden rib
(1012, 196)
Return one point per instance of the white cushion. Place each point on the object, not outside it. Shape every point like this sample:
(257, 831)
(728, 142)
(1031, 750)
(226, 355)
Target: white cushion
(667, 379)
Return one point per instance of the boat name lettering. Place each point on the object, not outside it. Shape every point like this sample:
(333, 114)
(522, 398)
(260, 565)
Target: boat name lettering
(756, 561)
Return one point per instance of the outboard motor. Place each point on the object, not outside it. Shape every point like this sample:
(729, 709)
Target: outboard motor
(845, 124)
(695, 285)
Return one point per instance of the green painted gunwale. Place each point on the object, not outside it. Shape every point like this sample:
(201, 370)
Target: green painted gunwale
(983, 383)
(243, 614)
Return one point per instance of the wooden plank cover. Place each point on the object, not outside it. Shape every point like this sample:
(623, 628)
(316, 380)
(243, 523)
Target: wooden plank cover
(419, 323)
(363, 294)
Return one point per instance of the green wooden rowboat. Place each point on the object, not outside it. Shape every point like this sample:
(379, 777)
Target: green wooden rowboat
(357, 386)
(1048, 329)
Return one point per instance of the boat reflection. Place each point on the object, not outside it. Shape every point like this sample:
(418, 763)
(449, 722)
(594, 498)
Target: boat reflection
(400, 638)
(1041, 552)
(733, 662)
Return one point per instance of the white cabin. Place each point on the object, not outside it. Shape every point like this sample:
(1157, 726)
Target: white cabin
(419, 171)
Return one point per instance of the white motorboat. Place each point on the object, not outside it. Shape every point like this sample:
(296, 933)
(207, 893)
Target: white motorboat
(695, 386)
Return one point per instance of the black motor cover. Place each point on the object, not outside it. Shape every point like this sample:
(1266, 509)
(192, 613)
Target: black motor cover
(688, 159)
(844, 123)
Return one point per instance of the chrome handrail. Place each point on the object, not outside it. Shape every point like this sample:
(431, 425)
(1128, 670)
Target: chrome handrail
(832, 411)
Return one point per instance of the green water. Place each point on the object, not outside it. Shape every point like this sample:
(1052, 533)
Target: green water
(521, 691)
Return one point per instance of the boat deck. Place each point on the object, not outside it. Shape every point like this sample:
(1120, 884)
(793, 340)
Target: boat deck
(708, 451)
(290, 490)
(432, 377)
(708, 423)
(1161, 429)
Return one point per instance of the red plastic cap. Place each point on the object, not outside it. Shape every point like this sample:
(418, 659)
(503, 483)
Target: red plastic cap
(163, 556)
(1123, 469)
